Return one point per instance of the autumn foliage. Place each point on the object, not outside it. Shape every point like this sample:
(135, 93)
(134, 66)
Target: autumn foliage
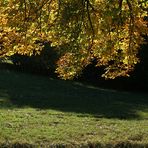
(109, 31)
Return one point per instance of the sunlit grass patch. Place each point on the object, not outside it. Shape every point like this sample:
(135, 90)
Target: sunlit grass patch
(50, 127)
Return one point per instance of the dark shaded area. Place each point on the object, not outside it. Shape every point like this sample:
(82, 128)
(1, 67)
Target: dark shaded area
(138, 80)
(45, 64)
(42, 64)
(89, 145)
(16, 145)
(43, 93)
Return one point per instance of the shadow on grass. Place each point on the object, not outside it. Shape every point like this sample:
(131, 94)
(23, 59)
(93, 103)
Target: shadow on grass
(26, 90)
(89, 145)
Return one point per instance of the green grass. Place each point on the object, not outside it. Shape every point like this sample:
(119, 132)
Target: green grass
(37, 111)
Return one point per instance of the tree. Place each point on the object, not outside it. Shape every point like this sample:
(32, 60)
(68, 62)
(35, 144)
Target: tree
(109, 31)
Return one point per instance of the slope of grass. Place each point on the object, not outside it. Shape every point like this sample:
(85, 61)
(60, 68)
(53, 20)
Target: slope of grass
(38, 111)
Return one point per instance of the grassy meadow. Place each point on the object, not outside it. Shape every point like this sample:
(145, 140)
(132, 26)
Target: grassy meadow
(39, 111)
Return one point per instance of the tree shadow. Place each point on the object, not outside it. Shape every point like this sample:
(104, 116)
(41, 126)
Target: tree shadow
(89, 145)
(19, 90)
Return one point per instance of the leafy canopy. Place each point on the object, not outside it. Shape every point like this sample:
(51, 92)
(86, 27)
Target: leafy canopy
(81, 30)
